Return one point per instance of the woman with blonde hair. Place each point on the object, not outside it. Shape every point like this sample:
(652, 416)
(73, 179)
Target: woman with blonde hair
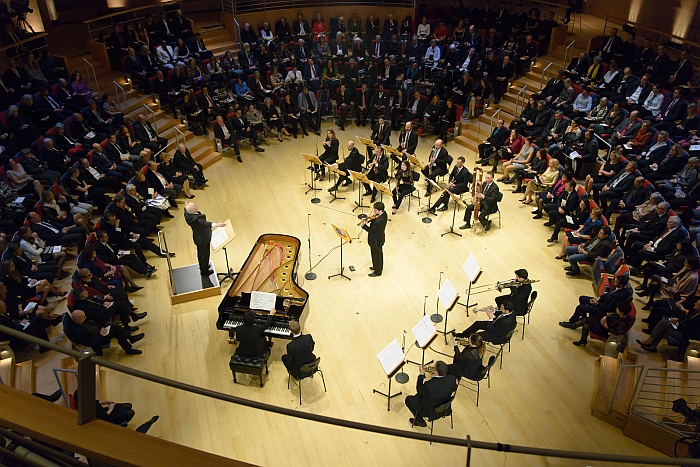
(542, 182)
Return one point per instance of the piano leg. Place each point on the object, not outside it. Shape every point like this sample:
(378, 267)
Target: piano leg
(231, 337)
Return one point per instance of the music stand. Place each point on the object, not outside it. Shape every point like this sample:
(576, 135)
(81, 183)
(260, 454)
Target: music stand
(424, 332)
(339, 172)
(395, 152)
(427, 211)
(459, 202)
(344, 238)
(447, 295)
(314, 160)
(392, 359)
(367, 142)
(473, 270)
(220, 237)
(382, 190)
(361, 178)
(414, 160)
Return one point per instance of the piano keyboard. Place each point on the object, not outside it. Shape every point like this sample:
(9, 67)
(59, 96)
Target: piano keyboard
(277, 329)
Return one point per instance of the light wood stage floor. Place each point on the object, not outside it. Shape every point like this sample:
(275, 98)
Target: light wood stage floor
(540, 398)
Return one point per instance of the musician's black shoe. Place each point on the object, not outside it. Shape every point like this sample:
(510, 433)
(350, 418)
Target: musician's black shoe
(332, 189)
(444, 208)
(367, 193)
(375, 274)
(548, 224)
(427, 193)
(465, 226)
(134, 352)
(580, 343)
(305, 133)
(346, 183)
(374, 197)
(419, 422)
(488, 227)
(342, 128)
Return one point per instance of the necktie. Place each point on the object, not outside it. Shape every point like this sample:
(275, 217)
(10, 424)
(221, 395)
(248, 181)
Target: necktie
(624, 130)
(631, 193)
(669, 107)
(211, 102)
(148, 130)
(608, 45)
(377, 52)
(380, 131)
(363, 100)
(407, 137)
(313, 72)
(167, 29)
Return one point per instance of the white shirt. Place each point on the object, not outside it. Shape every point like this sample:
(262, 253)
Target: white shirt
(635, 97)
(466, 63)
(293, 77)
(423, 30)
(654, 103)
(433, 53)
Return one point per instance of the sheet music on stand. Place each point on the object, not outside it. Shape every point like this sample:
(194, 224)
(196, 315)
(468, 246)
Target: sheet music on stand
(262, 300)
(424, 331)
(447, 294)
(391, 357)
(471, 268)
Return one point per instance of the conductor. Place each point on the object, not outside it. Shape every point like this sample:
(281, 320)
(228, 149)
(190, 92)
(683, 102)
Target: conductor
(375, 226)
(201, 234)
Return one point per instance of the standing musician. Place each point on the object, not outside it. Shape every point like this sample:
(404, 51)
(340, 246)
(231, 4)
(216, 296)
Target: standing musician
(519, 293)
(488, 202)
(375, 226)
(460, 178)
(250, 335)
(378, 172)
(404, 184)
(437, 164)
(381, 134)
(329, 156)
(430, 394)
(352, 162)
(201, 234)
(408, 142)
(467, 363)
(299, 351)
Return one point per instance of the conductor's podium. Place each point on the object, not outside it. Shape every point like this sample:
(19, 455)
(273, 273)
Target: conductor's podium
(187, 284)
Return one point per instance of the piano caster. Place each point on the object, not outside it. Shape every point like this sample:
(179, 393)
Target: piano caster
(232, 340)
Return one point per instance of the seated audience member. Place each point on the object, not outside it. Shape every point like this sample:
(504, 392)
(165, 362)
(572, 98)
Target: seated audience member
(599, 307)
(615, 324)
(95, 335)
(682, 326)
(589, 251)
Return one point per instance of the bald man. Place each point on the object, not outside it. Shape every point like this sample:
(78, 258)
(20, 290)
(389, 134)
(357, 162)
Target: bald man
(353, 162)
(88, 333)
(201, 234)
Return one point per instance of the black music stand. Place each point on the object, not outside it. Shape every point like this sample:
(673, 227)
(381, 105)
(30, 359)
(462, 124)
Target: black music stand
(229, 274)
(334, 171)
(360, 178)
(473, 270)
(388, 394)
(427, 211)
(459, 202)
(422, 358)
(344, 238)
(314, 160)
(402, 377)
(221, 237)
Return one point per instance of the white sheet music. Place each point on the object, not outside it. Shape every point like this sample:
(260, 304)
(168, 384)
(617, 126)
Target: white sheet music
(447, 294)
(262, 300)
(424, 331)
(471, 268)
(391, 357)
(218, 237)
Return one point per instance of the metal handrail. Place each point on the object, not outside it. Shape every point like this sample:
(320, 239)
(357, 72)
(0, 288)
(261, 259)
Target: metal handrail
(118, 87)
(163, 245)
(152, 112)
(178, 134)
(86, 400)
(617, 383)
(607, 155)
(495, 114)
(88, 67)
(521, 95)
(548, 70)
(237, 31)
(566, 53)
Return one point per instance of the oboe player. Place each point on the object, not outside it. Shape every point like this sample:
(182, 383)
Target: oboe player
(378, 171)
(459, 181)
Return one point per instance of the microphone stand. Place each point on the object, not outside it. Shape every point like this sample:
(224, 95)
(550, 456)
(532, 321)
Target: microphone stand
(437, 317)
(402, 377)
(310, 275)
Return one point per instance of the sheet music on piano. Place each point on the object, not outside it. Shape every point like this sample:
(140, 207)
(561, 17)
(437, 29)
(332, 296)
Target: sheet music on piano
(262, 300)
(424, 331)
(391, 357)
(447, 294)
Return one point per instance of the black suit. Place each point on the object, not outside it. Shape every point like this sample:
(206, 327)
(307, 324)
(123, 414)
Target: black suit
(88, 334)
(409, 144)
(108, 254)
(380, 106)
(519, 296)
(299, 352)
(52, 234)
(252, 342)
(353, 162)
(375, 239)
(430, 394)
(568, 201)
(461, 178)
(201, 234)
(186, 164)
(494, 142)
(231, 140)
(489, 204)
(144, 132)
(384, 139)
(465, 364)
(361, 114)
(664, 245)
(438, 167)
(492, 331)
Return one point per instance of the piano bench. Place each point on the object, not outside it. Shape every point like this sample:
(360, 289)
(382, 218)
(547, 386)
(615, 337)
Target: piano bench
(249, 365)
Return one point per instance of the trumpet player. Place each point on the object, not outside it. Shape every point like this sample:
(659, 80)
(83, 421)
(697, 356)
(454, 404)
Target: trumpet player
(430, 394)
(497, 327)
(459, 181)
(352, 162)
(519, 293)
(378, 171)
(437, 164)
(488, 198)
(467, 362)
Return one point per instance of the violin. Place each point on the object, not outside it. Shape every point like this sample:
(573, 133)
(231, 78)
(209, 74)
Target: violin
(369, 219)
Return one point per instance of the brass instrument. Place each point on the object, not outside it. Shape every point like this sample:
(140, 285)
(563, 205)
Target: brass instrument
(476, 189)
(500, 285)
(429, 368)
(486, 308)
(462, 341)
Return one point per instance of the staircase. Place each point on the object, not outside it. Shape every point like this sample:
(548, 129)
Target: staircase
(218, 40)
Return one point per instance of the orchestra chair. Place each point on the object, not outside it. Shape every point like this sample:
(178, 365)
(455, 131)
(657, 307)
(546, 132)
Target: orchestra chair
(414, 193)
(310, 368)
(484, 372)
(499, 217)
(530, 304)
(249, 365)
(441, 411)
(491, 346)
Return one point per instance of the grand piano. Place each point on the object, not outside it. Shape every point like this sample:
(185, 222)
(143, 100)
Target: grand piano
(270, 267)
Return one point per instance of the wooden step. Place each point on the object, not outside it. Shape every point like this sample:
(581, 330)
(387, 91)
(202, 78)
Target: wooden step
(137, 102)
(216, 36)
(210, 159)
(222, 46)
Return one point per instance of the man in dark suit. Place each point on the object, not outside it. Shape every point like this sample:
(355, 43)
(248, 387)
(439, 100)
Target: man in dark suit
(144, 132)
(375, 238)
(352, 162)
(675, 109)
(459, 181)
(165, 92)
(538, 121)
(125, 240)
(488, 149)
(589, 251)
(16, 78)
(627, 203)
(437, 165)
(497, 327)
(599, 307)
(181, 25)
(363, 101)
(302, 52)
(647, 229)
(378, 170)
(587, 152)
(126, 219)
(553, 132)
(91, 334)
(519, 294)
(611, 48)
(201, 235)
(527, 50)
(243, 129)
(138, 205)
(628, 84)
(661, 66)
(247, 59)
(578, 66)
(408, 142)
(299, 351)
(391, 27)
(437, 390)
(186, 164)
(380, 104)
(109, 253)
(626, 130)
(614, 188)
(250, 335)
(101, 312)
(490, 196)
(54, 234)
(371, 29)
(415, 109)
(52, 105)
(565, 204)
(164, 28)
(381, 134)
(552, 89)
(504, 72)
(343, 99)
(644, 55)
(659, 247)
(224, 131)
(26, 267)
(301, 28)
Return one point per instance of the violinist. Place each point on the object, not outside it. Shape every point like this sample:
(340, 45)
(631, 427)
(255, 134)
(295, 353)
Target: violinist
(378, 168)
(459, 181)
(329, 156)
(375, 226)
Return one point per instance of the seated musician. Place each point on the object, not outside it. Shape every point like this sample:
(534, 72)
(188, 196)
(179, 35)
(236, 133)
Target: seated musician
(497, 327)
(299, 351)
(378, 172)
(408, 142)
(460, 178)
(437, 390)
(519, 293)
(329, 156)
(381, 134)
(467, 362)
(437, 164)
(489, 198)
(404, 184)
(352, 162)
(250, 335)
